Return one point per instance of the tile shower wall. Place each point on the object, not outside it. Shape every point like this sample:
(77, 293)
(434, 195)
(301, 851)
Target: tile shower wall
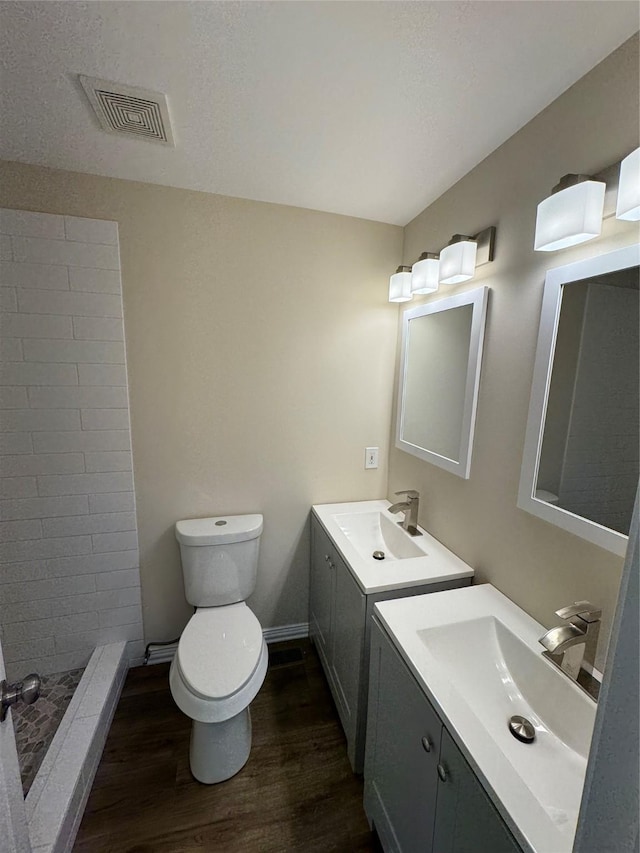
(69, 575)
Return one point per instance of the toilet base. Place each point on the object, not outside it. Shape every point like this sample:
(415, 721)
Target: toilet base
(220, 750)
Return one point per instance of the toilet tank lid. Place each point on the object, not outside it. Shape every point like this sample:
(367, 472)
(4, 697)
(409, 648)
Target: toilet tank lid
(219, 530)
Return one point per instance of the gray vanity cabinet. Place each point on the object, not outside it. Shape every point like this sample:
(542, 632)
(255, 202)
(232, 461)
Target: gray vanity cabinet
(336, 620)
(339, 626)
(420, 793)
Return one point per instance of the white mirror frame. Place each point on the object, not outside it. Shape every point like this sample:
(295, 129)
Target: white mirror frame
(478, 299)
(593, 532)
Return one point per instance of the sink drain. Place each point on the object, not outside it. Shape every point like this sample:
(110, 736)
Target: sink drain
(378, 555)
(522, 729)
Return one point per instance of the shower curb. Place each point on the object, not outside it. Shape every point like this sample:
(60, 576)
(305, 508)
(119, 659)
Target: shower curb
(57, 798)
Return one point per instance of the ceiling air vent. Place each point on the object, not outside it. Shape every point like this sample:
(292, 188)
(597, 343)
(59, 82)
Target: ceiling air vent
(129, 109)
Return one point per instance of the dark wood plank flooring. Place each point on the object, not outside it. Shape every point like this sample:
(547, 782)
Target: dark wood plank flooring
(296, 792)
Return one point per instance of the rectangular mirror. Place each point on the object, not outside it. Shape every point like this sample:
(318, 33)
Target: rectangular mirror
(439, 378)
(581, 458)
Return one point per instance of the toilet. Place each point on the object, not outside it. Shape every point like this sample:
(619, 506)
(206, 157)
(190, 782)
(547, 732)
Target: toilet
(221, 661)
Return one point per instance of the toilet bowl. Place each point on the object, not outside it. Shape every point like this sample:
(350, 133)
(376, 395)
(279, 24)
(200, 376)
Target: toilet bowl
(217, 671)
(221, 660)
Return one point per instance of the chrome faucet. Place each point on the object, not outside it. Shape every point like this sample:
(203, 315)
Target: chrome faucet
(410, 509)
(565, 645)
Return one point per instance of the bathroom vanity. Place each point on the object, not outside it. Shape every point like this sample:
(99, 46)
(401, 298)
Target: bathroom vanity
(443, 772)
(346, 583)
(420, 793)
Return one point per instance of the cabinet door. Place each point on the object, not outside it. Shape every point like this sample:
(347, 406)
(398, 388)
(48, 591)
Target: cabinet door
(345, 649)
(403, 742)
(320, 591)
(466, 820)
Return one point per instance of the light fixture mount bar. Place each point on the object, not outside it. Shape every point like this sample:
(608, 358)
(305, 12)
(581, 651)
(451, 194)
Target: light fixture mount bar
(571, 180)
(486, 240)
(611, 177)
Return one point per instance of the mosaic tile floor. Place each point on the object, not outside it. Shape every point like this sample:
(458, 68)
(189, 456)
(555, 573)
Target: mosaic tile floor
(35, 725)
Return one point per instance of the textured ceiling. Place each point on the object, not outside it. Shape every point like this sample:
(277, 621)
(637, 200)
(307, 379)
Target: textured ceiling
(366, 109)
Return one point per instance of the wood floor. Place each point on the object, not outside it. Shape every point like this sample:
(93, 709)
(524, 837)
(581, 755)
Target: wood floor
(296, 793)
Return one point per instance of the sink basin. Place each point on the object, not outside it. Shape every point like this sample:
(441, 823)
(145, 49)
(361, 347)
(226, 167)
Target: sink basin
(358, 528)
(505, 677)
(374, 531)
(477, 657)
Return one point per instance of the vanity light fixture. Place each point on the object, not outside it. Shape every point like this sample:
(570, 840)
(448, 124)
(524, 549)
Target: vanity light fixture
(572, 214)
(628, 204)
(465, 255)
(458, 260)
(400, 285)
(425, 273)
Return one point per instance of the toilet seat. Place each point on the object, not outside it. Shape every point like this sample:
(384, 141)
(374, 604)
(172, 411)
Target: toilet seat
(219, 650)
(220, 663)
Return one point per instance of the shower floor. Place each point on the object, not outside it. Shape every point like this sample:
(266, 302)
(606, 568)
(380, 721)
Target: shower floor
(35, 725)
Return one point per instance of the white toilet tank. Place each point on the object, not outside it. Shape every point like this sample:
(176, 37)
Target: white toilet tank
(219, 558)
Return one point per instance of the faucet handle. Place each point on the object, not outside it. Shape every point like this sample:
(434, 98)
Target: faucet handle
(410, 493)
(583, 609)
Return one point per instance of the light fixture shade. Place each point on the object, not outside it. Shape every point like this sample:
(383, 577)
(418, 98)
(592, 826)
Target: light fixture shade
(425, 274)
(570, 216)
(628, 206)
(400, 285)
(458, 261)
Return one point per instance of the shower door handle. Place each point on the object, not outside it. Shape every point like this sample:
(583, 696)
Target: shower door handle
(27, 691)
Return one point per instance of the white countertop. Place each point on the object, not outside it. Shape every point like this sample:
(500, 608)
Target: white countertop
(542, 809)
(437, 565)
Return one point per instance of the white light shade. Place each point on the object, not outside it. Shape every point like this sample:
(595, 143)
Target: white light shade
(570, 216)
(400, 286)
(458, 262)
(424, 275)
(628, 206)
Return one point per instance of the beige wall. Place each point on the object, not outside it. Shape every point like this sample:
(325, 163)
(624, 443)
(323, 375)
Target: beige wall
(538, 565)
(260, 351)
(261, 356)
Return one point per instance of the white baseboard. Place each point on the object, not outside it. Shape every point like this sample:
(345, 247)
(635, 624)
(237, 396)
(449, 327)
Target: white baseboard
(286, 632)
(164, 654)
